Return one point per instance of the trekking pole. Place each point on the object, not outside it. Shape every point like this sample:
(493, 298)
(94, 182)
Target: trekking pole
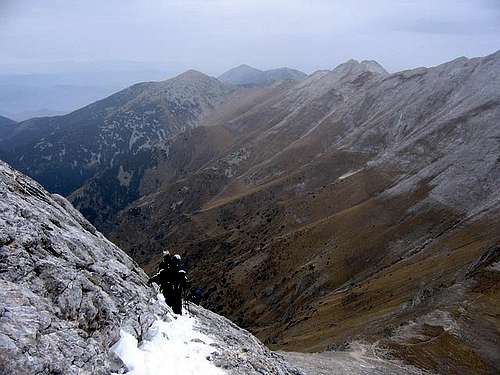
(185, 303)
(189, 306)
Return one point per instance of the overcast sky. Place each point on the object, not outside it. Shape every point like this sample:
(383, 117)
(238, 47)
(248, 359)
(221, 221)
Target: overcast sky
(214, 35)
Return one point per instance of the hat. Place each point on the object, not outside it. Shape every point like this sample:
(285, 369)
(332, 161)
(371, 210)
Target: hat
(177, 256)
(166, 252)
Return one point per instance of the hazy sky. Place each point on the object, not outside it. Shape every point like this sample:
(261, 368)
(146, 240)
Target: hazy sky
(214, 35)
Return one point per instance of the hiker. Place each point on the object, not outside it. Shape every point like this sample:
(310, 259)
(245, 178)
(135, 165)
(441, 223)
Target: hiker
(164, 277)
(172, 279)
(179, 281)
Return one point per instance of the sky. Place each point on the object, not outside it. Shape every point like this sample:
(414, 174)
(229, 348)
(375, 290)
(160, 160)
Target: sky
(215, 35)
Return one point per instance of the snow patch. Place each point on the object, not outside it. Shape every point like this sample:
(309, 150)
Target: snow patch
(349, 174)
(172, 348)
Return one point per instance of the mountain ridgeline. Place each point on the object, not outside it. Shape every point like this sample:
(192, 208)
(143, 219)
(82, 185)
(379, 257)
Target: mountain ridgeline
(349, 205)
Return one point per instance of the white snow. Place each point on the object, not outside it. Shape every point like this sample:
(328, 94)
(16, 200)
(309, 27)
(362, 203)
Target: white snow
(349, 174)
(173, 348)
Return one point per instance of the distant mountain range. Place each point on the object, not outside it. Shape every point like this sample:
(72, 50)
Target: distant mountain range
(351, 204)
(246, 75)
(24, 96)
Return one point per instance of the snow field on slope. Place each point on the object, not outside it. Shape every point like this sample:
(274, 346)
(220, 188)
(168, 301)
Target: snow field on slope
(174, 348)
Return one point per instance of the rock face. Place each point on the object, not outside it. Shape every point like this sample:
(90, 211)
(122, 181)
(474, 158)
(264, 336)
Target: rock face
(66, 292)
(65, 289)
(246, 75)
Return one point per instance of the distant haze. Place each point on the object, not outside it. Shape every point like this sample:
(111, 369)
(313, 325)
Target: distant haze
(67, 86)
(216, 35)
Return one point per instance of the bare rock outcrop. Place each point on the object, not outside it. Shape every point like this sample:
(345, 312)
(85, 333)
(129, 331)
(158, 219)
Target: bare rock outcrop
(65, 290)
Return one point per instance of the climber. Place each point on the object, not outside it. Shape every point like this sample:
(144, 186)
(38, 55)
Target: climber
(179, 281)
(164, 277)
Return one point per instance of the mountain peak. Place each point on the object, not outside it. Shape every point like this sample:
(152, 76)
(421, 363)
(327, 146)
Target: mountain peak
(191, 75)
(246, 75)
(245, 66)
(242, 75)
(353, 66)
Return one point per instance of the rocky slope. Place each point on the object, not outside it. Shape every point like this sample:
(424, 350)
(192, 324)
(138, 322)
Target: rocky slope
(246, 75)
(354, 204)
(67, 292)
